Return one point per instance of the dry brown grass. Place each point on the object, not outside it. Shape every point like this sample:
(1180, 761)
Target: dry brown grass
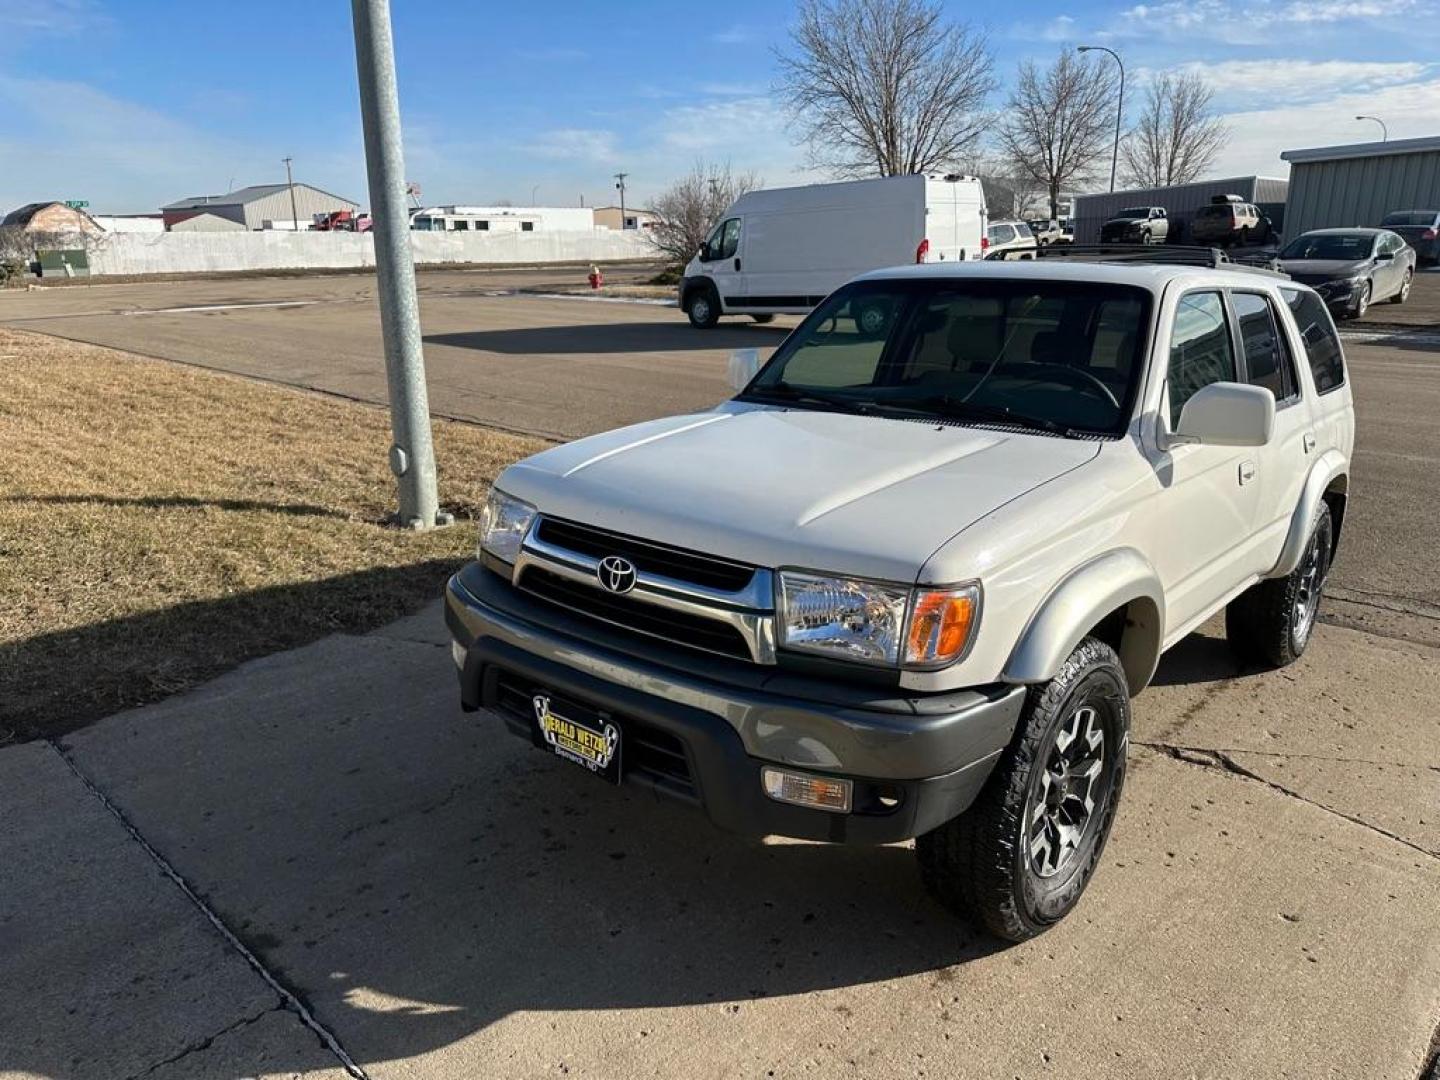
(160, 524)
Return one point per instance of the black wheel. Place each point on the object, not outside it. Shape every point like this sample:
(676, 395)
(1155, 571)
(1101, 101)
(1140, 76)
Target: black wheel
(1404, 293)
(703, 308)
(1270, 623)
(1245, 236)
(1018, 860)
(762, 319)
(1361, 303)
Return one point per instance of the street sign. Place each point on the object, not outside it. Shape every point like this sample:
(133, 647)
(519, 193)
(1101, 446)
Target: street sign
(78, 204)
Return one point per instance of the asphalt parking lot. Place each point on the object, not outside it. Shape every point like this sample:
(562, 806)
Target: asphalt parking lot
(316, 865)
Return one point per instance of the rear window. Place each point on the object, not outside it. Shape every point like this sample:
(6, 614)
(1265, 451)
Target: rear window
(1214, 212)
(1413, 218)
(1322, 345)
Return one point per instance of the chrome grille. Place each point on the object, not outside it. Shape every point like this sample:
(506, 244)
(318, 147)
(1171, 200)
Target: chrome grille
(683, 597)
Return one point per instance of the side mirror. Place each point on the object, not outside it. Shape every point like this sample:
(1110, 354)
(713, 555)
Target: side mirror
(744, 363)
(1227, 414)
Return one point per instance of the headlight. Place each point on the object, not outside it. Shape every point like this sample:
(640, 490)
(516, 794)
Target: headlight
(504, 520)
(876, 622)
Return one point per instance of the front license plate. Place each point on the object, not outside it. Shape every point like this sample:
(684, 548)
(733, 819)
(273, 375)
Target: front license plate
(592, 742)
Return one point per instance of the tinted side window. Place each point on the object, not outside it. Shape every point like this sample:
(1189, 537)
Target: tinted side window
(1267, 361)
(1322, 346)
(729, 239)
(1201, 351)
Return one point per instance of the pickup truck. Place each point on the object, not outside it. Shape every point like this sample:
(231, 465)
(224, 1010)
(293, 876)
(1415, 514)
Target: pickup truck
(905, 583)
(1137, 225)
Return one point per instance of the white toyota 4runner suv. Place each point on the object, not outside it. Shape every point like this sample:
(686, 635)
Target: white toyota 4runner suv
(907, 581)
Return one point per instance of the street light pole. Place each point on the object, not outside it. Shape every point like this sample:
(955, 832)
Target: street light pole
(1119, 106)
(1384, 131)
(290, 183)
(412, 454)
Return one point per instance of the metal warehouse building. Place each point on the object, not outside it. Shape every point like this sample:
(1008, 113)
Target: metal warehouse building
(1337, 186)
(1180, 203)
(253, 206)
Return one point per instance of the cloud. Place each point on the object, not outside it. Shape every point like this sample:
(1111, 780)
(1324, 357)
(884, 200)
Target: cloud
(52, 17)
(1257, 22)
(1258, 136)
(592, 145)
(1299, 81)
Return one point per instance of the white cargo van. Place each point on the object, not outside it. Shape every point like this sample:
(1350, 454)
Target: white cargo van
(786, 249)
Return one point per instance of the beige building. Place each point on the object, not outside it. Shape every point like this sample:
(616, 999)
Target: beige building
(206, 222)
(51, 217)
(608, 217)
(252, 206)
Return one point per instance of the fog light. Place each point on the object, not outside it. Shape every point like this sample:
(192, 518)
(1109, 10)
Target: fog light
(457, 651)
(819, 792)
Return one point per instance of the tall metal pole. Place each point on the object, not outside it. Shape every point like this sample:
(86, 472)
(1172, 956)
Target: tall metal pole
(412, 455)
(1384, 131)
(1119, 106)
(290, 183)
(620, 183)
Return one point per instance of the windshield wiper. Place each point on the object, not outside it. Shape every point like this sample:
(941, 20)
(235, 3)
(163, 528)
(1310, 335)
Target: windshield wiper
(783, 391)
(954, 408)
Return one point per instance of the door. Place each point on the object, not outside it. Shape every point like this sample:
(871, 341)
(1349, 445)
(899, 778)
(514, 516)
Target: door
(722, 262)
(1392, 269)
(1209, 495)
(1280, 466)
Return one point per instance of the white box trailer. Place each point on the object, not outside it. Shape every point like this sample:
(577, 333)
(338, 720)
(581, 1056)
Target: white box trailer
(783, 250)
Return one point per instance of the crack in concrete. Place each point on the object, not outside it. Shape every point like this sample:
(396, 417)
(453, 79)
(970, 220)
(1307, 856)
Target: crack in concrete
(290, 997)
(1287, 754)
(1220, 761)
(209, 1040)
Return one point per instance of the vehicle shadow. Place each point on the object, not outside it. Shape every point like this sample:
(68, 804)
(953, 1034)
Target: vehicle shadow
(639, 337)
(416, 874)
(1197, 658)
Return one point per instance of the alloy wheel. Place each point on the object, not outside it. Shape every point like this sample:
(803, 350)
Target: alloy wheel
(1063, 804)
(1312, 583)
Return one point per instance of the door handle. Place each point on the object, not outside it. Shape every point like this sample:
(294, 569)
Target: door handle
(1308, 441)
(1247, 472)
(737, 265)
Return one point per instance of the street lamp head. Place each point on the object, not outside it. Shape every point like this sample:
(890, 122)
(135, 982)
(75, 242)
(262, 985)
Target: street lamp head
(1083, 48)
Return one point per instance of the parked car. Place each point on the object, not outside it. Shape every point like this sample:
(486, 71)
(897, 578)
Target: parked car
(1010, 240)
(1418, 228)
(1351, 268)
(786, 249)
(1229, 221)
(1050, 232)
(1137, 225)
(906, 582)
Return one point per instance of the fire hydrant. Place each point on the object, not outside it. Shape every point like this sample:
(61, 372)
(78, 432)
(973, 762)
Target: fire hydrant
(596, 278)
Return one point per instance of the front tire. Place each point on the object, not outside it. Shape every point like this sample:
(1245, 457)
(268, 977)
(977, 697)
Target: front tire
(1019, 859)
(703, 309)
(1362, 302)
(1270, 623)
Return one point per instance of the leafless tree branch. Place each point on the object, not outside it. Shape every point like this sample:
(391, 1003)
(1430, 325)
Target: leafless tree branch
(885, 87)
(1176, 138)
(689, 208)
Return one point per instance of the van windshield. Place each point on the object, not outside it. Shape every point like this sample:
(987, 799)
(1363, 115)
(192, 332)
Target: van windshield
(1052, 356)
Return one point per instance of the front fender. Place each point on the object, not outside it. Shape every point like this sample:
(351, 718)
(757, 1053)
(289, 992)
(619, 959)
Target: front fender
(1327, 467)
(1079, 603)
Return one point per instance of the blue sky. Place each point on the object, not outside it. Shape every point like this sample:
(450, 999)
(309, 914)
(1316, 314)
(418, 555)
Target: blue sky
(134, 103)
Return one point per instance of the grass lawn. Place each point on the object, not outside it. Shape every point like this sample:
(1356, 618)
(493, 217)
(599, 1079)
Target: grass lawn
(159, 525)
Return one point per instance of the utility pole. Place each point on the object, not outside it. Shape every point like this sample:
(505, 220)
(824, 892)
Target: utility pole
(412, 454)
(620, 185)
(1119, 106)
(290, 183)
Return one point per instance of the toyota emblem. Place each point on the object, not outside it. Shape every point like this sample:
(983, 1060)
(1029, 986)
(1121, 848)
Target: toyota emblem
(616, 575)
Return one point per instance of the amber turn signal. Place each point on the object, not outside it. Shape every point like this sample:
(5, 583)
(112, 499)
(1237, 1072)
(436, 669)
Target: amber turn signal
(941, 624)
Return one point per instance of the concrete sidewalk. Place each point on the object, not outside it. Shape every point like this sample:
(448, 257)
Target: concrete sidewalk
(449, 902)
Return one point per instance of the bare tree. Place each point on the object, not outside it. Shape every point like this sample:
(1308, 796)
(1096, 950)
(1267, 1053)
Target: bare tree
(686, 211)
(1058, 123)
(885, 87)
(1177, 137)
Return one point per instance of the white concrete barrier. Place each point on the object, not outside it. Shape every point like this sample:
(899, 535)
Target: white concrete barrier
(199, 253)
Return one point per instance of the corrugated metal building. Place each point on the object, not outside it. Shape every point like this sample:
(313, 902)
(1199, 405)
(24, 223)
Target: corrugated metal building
(1339, 186)
(253, 206)
(1180, 203)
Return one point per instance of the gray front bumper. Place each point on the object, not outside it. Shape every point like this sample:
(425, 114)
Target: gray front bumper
(935, 751)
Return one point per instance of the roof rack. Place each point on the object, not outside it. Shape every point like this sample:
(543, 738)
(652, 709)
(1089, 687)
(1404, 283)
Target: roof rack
(1168, 254)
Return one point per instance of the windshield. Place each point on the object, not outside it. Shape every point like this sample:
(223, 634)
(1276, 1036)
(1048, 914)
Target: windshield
(1056, 356)
(1135, 211)
(1345, 247)
(1412, 218)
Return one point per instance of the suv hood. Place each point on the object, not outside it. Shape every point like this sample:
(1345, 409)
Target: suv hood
(859, 495)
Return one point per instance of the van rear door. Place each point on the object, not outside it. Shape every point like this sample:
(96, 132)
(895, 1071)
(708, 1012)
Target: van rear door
(954, 219)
